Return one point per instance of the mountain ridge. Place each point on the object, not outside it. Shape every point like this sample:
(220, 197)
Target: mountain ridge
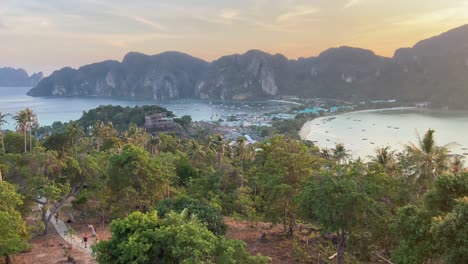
(18, 77)
(434, 69)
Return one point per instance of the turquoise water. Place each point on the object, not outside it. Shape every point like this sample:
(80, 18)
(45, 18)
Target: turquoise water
(362, 132)
(50, 109)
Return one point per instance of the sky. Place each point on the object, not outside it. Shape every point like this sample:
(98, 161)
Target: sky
(46, 35)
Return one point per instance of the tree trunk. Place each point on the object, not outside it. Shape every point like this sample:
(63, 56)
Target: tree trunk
(70, 215)
(25, 143)
(3, 143)
(340, 247)
(284, 217)
(30, 140)
(292, 223)
(103, 219)
(7, 259)
(44, 220)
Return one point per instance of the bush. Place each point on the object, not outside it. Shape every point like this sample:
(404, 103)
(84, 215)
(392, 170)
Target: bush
(146, 238)
(207, 214)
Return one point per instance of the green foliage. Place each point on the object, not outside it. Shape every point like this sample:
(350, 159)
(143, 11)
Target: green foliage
(338, 198)
(185, 121)
(282, 180)
(428, 161)
(342, 198)
(56, 127)
(168, 143)
(447, 189)
(451, 233)
(137, 179)
(283, 165)
(120, 117)
(146, 238)
(14, 234)
(289, 127)
(207, 214)
(185, 171)
(417, 244)
(437, 230)
(58, 142)
(14, 143)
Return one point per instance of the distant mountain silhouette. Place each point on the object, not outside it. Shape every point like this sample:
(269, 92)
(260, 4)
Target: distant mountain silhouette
(18, 77)
(435, 70)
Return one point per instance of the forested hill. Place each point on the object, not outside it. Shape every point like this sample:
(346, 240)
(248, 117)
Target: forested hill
(18, 77)
(435, 70)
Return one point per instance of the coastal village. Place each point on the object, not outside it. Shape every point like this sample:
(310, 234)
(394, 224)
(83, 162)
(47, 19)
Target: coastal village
(255, 126)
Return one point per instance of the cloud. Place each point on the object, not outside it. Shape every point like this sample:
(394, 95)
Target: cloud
(229, 14)
(149, 23)
(225, 17)
(297, 13)
(352, 3)
(436, 17)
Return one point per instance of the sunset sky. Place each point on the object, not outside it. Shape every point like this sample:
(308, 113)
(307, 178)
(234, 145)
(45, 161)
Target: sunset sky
(45, 35)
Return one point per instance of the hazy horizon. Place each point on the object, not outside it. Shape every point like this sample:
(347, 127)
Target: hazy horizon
(50, 34)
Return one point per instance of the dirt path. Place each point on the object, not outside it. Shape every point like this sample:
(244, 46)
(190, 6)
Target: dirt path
(63, 230)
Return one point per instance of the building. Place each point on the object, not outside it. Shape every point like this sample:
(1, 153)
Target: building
(160, 122)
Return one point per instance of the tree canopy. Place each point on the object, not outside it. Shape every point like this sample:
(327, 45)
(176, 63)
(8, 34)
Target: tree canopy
(177, 238)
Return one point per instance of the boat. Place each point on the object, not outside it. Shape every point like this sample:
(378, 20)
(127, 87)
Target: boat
(364, 139)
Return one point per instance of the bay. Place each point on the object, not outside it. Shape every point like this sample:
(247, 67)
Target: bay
(362, 132)
(50, 109)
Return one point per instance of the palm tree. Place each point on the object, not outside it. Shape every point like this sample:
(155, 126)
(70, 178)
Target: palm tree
(22, 123)
(431, 160)
(137, 136)
(240, 148)
(74, 132)
(2, 122)
(32, 123)
(196, 151)
(154, 146)
(385, 157)
(340, 153)
(99, 132)
(218, 144)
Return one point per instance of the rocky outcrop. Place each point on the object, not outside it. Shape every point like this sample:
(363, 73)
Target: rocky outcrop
(18, 77)
(167, 75)
(255, 74)
(342, 72)
(433, 70)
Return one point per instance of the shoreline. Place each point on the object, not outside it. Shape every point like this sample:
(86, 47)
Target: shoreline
(393, 129)
(302, 132)
(284, 101)
(378, 109)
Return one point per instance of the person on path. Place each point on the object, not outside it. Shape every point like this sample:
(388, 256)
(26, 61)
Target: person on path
(56, 217)
(85, 240)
